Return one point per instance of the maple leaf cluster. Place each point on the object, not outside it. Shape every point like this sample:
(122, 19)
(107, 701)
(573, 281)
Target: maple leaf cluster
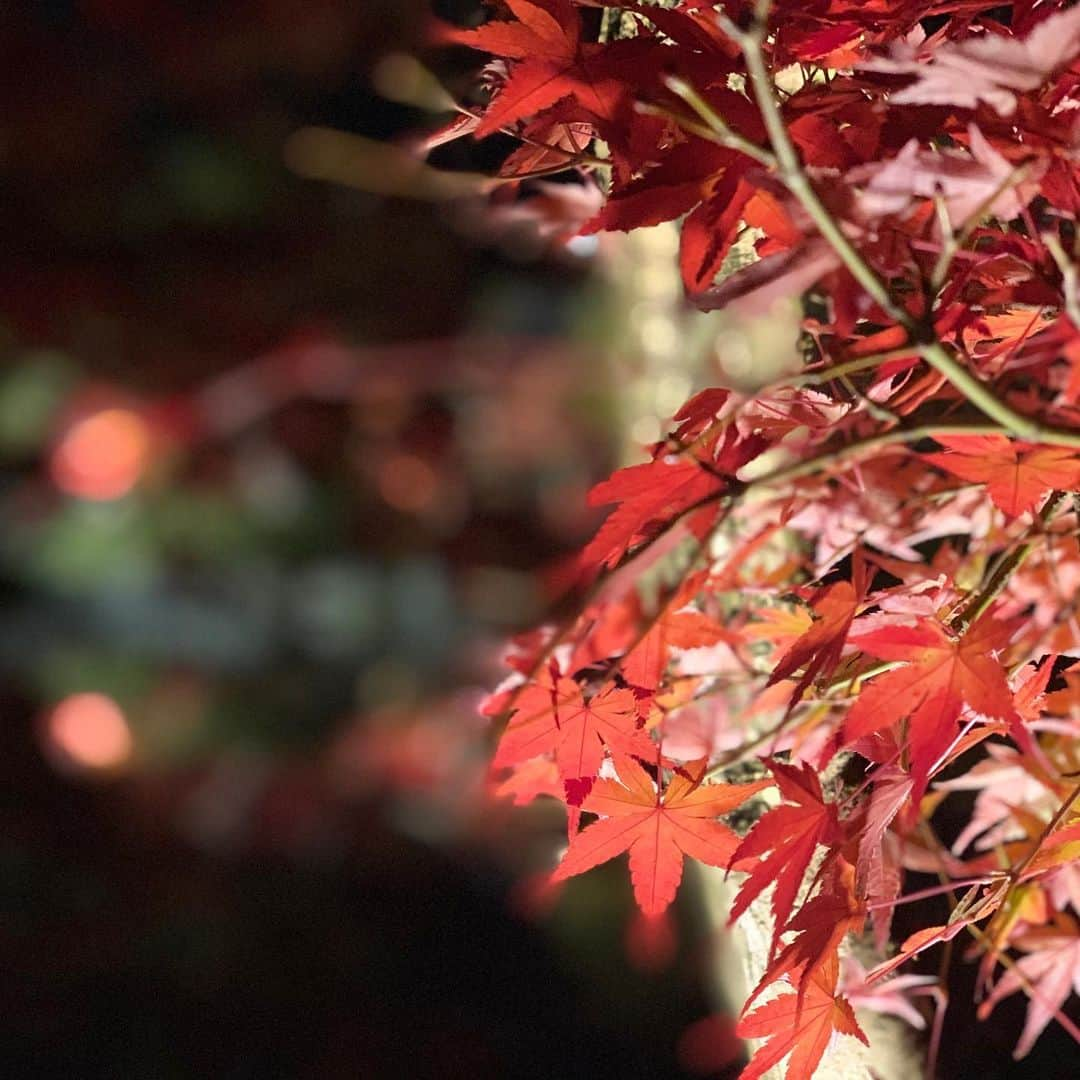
(869, 571)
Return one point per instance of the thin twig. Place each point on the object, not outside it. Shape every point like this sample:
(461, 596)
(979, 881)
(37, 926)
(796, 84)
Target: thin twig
(1069, 282)
(1003, 568)
(716, 124)
(954, 241)
(790, 170)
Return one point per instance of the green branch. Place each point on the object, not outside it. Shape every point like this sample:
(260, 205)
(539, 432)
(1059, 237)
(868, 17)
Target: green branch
(790, 170)
(716, 127)
(1003, 568)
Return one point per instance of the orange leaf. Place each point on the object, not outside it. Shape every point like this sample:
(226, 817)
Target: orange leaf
(656, 829)
(941, 675)
(787, 836)
(645, 663)
(1018, 475)
(799, 1025)
(555, 717)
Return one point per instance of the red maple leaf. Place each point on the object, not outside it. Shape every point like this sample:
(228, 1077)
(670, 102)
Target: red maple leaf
(877, 869)
(675, 186)
(787, 836)
(645, 663)
(554, 716)
(1018, 475)
(710, 231)
(801, 1025)
(550, 63)
(818, 650)
(656, 828)
(649, 496)
(652, 495)
(820, 925)
(699, 412)
(942, 675)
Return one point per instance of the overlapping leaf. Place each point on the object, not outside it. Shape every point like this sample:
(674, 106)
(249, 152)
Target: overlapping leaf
(550, 63)
(779, 848)
(554, 716)
(927, 158)
(653, 495)
(800, 1025)
(818, 650)
(657, 828)
(1051, 967)
(990, 69)
(1018, 475)
(940, 676)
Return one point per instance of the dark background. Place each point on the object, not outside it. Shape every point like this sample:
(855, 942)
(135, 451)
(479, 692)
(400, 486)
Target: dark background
(297, 600)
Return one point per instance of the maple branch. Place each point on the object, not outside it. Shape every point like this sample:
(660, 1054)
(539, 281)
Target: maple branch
(790, 168)
(865, 446)
(923, 338)
(983, 938)
(954, 241)
(1014, 423)
(718, 129)
(933, 890)
(852, 451)
(1069, 277)
(693, 127)
(1003, 568)
(841, 369)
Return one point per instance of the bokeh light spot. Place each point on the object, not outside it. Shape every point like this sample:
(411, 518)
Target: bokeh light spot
(407, 483)
(88, 731)
(102, 456)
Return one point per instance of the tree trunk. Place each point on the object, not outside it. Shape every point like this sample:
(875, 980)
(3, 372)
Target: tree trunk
(663, 352)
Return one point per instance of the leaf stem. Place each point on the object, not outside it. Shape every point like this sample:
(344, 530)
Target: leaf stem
(1069, 283)
(717, 126)
(954, 240)
(865, 446)
(933, 890)
(922, 336)
(1005, 566)
(841, 369)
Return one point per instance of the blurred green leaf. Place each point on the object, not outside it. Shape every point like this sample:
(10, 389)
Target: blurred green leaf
(30, 395)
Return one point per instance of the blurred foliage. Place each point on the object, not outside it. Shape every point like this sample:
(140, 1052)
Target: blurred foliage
(280, 466)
